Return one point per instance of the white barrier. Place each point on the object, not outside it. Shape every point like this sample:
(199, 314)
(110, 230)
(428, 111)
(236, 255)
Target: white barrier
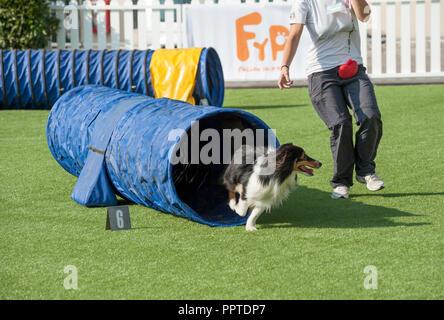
(400, 48)
(387, 52)
(77, 25)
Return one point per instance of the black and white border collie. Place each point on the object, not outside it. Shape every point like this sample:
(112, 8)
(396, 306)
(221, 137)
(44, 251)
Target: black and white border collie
(264, 178)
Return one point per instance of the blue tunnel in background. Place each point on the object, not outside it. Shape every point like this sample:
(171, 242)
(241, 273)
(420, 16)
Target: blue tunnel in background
(35, 79)
(121, 143)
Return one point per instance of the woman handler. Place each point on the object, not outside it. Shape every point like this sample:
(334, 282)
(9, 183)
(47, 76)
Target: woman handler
(337, 80)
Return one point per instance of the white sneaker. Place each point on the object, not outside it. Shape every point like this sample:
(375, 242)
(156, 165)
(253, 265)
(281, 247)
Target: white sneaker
(340, 192)
(373, 182)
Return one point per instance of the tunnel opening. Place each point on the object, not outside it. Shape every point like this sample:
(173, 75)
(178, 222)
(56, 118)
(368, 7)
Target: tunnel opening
(198, 180)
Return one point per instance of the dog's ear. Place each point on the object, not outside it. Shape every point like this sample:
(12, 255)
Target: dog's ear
(280, 161)
(284, 158)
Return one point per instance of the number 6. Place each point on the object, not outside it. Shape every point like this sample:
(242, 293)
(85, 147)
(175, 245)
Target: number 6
(119, 218)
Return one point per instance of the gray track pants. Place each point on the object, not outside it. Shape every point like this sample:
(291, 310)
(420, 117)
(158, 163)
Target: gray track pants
(331, 96)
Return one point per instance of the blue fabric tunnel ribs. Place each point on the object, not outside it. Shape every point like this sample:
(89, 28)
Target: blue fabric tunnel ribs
(120, 143)
(35, 79)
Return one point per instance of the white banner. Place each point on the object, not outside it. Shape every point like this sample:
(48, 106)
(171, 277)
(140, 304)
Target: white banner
(248, 38)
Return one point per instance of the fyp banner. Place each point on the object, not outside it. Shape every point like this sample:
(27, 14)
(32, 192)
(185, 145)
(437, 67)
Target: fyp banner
(248, 38)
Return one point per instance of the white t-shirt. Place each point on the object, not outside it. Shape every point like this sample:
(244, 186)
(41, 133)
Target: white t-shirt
(334, 31)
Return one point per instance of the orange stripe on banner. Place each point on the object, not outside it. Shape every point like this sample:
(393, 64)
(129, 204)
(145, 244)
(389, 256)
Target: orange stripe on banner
(173, 73)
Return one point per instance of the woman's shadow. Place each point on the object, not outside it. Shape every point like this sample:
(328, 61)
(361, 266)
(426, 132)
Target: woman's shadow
(312, 208)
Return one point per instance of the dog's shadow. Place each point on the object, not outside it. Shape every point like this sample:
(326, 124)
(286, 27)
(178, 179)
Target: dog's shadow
(312, 208)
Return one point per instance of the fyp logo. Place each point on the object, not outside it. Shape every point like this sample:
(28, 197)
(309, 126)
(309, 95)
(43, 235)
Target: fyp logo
(277, 37)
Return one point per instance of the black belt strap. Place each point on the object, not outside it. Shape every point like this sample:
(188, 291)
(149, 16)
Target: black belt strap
(145, 72)
(200, 94)
(44, 78)
(5, 98)
(74, 68)
(17, 85)
(31, 82)
(116, 69)
(59, 83)
(131, 71)
(101, 66)
(87, 66)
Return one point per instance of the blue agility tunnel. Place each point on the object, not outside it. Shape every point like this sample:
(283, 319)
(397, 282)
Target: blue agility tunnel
(126, 144)
(35, 79)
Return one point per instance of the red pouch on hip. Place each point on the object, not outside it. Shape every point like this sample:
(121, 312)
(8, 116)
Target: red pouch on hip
(348, 70)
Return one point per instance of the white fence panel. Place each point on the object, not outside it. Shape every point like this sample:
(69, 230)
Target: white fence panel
(128, 25)
(406, 41)
(87, 28)
(74, 21)
(390, 38)
(142, 42)
(61, 33)
(169, 25)
(158, 25)
(420, 65)
(155, 27)
(435, 37)
(115, 27)
(376, 40)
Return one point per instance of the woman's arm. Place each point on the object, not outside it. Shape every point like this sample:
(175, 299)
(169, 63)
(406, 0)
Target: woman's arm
(289, 51)
(361, 9)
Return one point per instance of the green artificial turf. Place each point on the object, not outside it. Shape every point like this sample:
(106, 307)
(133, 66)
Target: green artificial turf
(312, 247)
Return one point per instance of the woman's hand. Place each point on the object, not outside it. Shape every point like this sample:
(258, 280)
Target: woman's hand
(284, 78)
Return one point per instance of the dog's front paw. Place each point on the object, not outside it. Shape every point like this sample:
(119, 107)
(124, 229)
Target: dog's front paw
(250, 228)
(232, 204)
